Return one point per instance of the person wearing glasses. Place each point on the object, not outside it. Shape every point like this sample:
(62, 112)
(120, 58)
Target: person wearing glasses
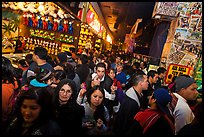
(69, 113)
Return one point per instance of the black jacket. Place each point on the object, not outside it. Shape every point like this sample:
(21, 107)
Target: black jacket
(125, 115)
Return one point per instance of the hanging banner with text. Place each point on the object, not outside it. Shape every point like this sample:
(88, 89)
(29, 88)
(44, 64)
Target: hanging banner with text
(176, 70)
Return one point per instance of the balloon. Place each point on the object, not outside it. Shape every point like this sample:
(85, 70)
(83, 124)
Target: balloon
(79, 15)
(89, 17)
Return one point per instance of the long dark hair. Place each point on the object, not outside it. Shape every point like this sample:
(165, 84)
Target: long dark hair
(43, 98)
(72, 84)
(100, 111)
(8, 72)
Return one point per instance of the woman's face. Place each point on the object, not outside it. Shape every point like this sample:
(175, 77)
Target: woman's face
(30, 110)
(65, 93)
(111, 74)
(96, 98)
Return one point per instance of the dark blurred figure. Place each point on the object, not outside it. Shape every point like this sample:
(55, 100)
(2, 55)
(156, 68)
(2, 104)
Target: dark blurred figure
(19, 45)
(195, 127)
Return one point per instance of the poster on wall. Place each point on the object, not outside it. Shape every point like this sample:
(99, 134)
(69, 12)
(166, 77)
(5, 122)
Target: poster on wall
(180, 34)
(194, 35)
(182, 8)
(167, 8)
(187, 43)
(184, 22)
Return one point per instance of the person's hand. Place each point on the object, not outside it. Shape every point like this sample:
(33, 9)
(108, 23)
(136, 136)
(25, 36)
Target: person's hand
(113, 88)
(99, 123)
(88, 124)
(24, 87)
(81, 92)
(58, 68)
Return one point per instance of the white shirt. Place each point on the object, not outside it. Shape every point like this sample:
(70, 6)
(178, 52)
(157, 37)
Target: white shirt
(182, 113)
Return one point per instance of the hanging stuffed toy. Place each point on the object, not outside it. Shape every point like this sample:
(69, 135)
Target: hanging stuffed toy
(40, 24)
(65, 29)
(25, 19)
(44, 23)
(30, 21)
(60, 27)
(35, 22)
(50, 25)
(55, 25)
(70, 27)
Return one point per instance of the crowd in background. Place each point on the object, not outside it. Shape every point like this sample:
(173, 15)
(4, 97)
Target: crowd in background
(95, 93)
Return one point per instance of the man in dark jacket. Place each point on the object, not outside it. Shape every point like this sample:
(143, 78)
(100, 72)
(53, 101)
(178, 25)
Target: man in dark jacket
(160, 82)
(106, 82)
(131, 104)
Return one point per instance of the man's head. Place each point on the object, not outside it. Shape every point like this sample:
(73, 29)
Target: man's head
(100, 69)
(152, 76)
(117, 59)
(162, 98)
(186, 87)
(141, 82)
(161, 72)
(119, 67)
(62, 57)
(39, 53)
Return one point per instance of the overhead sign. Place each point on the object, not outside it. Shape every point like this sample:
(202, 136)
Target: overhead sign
(167, 8)
(65, 47)
(176, 70)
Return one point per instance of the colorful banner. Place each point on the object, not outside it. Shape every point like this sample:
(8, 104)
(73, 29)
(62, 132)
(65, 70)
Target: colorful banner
(187, 43)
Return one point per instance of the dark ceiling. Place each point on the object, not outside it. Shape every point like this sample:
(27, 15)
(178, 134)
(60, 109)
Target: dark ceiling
(121, 16)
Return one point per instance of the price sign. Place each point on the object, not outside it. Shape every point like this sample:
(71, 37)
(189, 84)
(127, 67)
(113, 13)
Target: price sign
(176, 70)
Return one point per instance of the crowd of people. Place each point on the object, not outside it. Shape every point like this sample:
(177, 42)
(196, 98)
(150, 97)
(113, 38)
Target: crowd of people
(95, 93)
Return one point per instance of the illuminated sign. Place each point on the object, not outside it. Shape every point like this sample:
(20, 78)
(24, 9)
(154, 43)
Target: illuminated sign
(176, 70)
(65, 47)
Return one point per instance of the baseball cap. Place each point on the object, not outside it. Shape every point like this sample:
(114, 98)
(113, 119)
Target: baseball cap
(183, 82)
(163, 98)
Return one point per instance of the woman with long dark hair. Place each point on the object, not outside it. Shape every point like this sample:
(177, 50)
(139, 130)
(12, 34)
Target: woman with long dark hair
(96, 114)
(69, 113)
(9, 85)
(34, 114)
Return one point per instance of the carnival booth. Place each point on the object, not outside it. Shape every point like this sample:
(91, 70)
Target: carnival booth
(41, 24)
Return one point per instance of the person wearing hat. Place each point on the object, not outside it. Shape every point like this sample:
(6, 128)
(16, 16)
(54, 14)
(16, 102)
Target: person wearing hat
(150, 120)
(185, 90)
